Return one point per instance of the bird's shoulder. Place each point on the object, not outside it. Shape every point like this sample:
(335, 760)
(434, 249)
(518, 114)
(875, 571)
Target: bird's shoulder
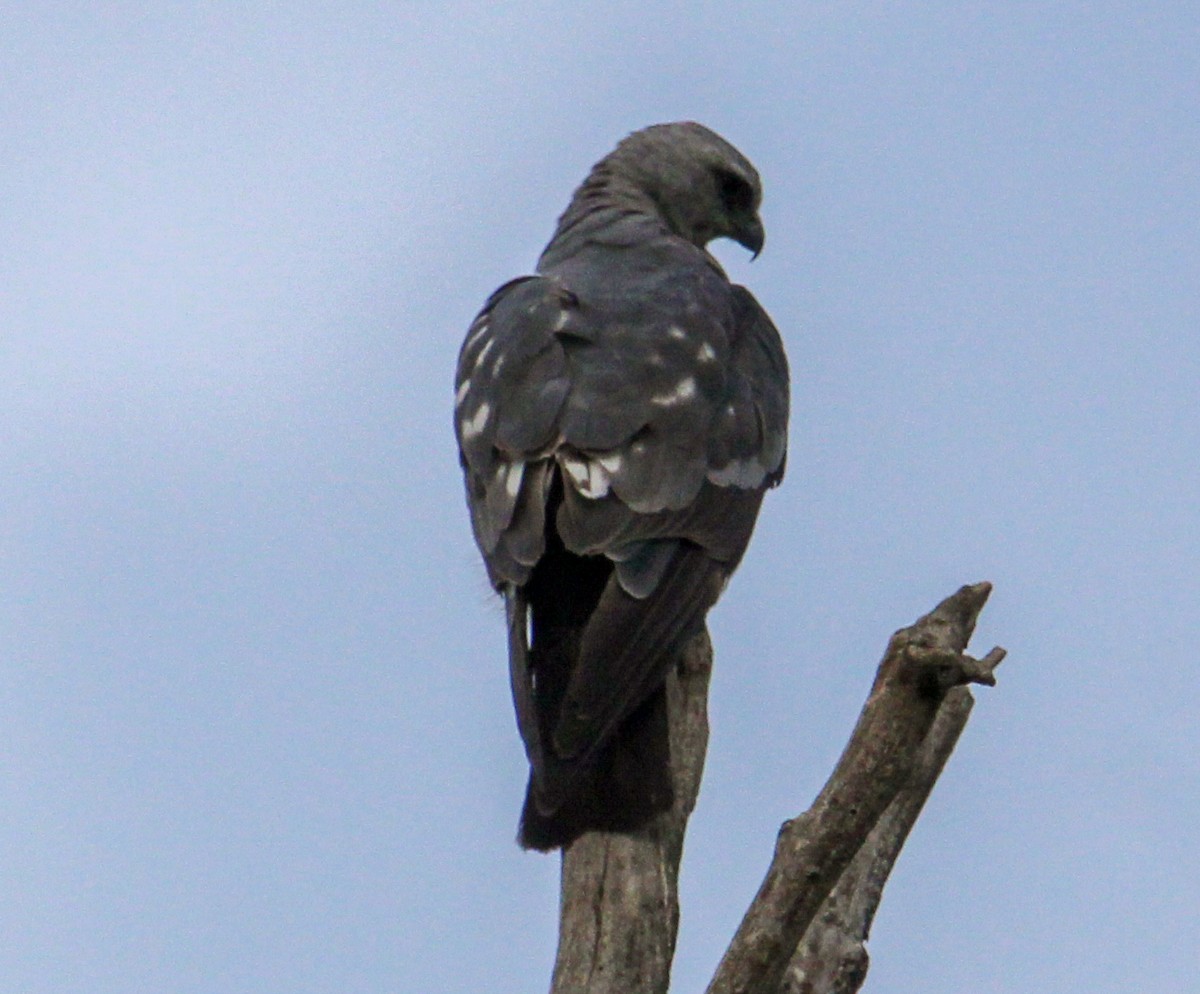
(644, 385)
(511, 376)
(618, 361)
(748, 441)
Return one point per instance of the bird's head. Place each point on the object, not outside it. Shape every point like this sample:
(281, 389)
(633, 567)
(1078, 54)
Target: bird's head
(702, 186)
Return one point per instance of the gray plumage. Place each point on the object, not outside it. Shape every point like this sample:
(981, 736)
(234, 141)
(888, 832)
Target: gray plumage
(619, 416)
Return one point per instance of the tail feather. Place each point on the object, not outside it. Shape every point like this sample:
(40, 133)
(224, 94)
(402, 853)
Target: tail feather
(621, 778)
(619, 790)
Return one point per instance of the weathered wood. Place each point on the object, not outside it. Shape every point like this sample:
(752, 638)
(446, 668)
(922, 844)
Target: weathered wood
(832, 957)
(619, 908)
(922, 663)
(805, 931)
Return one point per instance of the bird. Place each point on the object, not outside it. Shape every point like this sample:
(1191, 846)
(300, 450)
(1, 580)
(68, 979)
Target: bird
(619, 414)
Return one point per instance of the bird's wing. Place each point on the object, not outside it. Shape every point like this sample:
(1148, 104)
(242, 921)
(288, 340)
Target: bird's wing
(708, 432)
(684, 489)
(748, 441)
(511, 383)
(665, 422)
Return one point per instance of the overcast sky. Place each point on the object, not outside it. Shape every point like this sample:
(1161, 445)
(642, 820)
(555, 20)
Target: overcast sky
(255, 731)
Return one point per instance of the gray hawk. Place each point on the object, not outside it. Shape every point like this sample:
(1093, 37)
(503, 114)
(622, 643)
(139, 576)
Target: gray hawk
(619, 416)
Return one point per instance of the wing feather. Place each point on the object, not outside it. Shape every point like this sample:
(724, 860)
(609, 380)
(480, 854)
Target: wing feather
(627, 648)
(664, 419)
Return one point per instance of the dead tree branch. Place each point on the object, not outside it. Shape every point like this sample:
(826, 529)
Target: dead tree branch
(832, 957)
(922, 663)
(620, 910)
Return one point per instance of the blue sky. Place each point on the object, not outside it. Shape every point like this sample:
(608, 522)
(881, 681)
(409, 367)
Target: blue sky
(255, 733)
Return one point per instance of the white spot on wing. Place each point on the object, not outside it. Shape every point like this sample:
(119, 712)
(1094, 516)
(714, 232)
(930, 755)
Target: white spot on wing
(706, 353)
(684, 390)
(587, 475)
(461, 394)
(677, 333)
(611, 462)
(576, 469)
(561, 321)
(512, 482)
(483, 352)
(597, 480)
(741, 473)
(478, 329)
(473, 426)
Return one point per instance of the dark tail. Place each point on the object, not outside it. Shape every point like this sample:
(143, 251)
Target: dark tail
(626, 781)
(625, 786)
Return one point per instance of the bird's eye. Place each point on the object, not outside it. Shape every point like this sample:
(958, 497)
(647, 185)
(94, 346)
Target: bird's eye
(736, 194)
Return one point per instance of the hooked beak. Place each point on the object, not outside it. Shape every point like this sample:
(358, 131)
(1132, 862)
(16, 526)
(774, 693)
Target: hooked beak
(751, 235)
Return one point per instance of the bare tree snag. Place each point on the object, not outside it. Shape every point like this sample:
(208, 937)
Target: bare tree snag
(805, 929)
(922, 663)
(832, 957)
(619, 909)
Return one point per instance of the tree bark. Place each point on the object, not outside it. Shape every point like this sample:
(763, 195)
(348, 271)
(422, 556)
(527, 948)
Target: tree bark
(832, 957)
(619, 907)
(922, 663)
(804, 933)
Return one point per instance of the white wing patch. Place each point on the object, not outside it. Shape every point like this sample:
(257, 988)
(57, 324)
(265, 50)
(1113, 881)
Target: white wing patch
(513, 474)
(472, 427)
(611, 462)
(587, 475)
(475, 332)
(685, 389)
(741, 473)
(483, 352)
